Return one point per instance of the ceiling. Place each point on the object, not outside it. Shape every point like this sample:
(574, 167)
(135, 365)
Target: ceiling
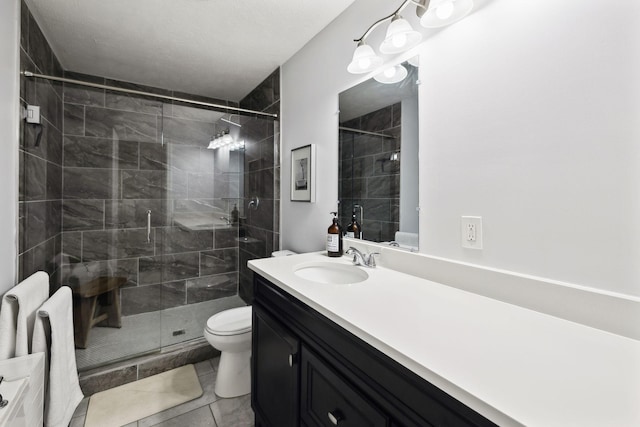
(218, 48)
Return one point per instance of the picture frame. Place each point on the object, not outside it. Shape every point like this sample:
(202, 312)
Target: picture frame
(303, 174)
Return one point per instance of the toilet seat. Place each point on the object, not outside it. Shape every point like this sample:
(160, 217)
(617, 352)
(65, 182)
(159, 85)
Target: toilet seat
(234, 321)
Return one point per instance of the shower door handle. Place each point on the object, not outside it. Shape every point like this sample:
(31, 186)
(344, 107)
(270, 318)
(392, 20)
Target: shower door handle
(149, 226)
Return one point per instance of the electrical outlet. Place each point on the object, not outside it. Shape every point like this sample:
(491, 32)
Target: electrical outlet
(471, 232)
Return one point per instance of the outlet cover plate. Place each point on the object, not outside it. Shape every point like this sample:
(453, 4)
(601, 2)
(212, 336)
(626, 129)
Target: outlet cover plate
(471, 232)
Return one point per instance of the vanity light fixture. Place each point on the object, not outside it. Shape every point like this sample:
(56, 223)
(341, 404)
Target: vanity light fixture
(445, 12)
(364, 59)
(392, 74)
(400, 37)
(225, 140)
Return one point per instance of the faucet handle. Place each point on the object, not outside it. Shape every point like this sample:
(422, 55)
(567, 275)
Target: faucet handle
(372, 259)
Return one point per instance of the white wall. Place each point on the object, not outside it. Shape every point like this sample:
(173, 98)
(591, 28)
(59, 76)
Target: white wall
(9, 95)
(310, 83)
(529, 117)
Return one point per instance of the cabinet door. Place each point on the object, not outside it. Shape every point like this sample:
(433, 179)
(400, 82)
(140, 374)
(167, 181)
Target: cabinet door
(275, 379)
(328, 400)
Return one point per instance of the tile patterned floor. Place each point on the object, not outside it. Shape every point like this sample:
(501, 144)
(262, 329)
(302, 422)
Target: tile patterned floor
(208, 410)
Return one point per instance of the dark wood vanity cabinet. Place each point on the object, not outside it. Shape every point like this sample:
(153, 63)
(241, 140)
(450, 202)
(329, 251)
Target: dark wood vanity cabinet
(308, 371)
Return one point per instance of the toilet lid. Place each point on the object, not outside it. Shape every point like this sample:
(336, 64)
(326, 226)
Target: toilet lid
(230, 322)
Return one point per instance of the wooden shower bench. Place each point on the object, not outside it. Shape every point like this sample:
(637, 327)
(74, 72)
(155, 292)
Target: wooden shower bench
(96, 303)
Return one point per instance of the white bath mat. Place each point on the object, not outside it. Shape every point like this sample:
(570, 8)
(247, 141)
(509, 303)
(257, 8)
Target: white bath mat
(133, 401)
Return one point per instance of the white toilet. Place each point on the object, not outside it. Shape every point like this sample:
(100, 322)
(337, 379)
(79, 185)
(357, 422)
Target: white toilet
(230, 332)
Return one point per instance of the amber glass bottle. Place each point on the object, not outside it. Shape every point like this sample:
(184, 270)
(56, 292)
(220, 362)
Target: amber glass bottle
(353, 229)
(334, 238)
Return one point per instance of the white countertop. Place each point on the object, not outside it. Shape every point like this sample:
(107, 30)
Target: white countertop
(513, 365)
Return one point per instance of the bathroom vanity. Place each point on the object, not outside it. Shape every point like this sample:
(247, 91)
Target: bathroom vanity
(385, 348)
(309, 371)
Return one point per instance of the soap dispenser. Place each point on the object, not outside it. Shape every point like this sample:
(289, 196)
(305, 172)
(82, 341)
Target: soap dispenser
(353, 229)
(334, 237)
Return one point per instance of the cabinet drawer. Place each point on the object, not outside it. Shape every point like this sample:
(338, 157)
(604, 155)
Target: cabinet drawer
(328, 400)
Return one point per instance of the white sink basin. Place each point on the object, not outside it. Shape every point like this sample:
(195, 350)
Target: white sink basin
(330, 273)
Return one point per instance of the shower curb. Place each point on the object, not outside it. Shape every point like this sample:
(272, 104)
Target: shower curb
(116, 374)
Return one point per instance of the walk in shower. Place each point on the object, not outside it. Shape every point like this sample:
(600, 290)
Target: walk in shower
(145, 206)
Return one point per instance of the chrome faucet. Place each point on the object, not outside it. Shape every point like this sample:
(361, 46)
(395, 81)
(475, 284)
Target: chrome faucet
(367, 260)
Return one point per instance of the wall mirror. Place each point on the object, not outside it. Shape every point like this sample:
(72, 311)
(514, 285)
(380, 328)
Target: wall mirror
(378, 156)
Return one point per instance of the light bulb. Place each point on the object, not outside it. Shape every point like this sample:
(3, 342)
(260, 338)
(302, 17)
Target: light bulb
(364, 63)
(445, 9)
(399, 40)
(390, 72)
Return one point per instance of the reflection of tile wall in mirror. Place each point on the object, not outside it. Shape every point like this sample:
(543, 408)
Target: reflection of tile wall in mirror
(375, 121)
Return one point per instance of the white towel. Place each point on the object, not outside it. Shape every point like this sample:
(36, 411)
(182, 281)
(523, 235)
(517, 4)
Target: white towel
(18, 314)
(53, 335)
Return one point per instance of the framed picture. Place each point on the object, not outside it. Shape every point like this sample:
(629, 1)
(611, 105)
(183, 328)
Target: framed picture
(303, 174)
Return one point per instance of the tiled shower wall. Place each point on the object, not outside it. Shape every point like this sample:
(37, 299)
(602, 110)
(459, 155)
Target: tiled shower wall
(102, 163)
(125, 155)
(40, 193)
(261, 180)
(368, 176)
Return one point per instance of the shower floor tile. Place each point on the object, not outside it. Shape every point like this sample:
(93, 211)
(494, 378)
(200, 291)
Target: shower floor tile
(148, 332)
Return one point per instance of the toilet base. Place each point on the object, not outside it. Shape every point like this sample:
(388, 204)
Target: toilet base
(234, 374)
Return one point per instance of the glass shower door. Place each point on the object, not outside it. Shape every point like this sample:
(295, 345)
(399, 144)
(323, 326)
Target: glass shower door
(113, 198)
(199, 243)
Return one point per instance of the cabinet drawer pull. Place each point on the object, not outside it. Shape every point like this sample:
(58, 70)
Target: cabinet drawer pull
(335, 417)
(292, 360)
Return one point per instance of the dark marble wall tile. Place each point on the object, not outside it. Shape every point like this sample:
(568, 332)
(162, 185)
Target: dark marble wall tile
(50, 103)
(364, 145)
(84, 95)
(245, 284)
(100, 153)
(54, 218)
(75, 273)
(187, 132)
(53, 145)
(24, 25)
(169, 267)
(35, 224)
(265, 94)
(127, 102)
(211, 287)
(125, 125)
(27, 86)
(144, 184)
(218, 261)
(115, 244)
(82, 215)
(85, 183)
(383, 186)
(73, 119)
(54, 181)
(38, 47)
(71, 247)
(143, 299)
(377, 120)
(34, 179)
(152, 156)
(132, 213)
(176, 240)
(226, 238)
